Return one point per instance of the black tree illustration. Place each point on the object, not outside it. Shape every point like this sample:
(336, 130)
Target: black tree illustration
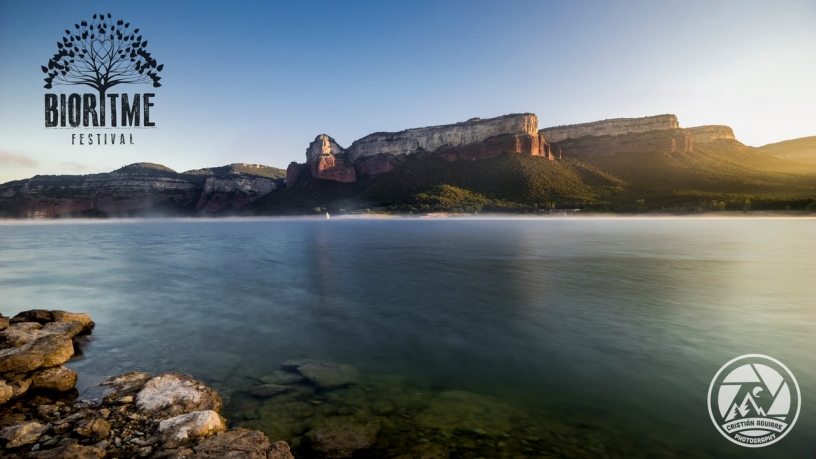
(102, 54)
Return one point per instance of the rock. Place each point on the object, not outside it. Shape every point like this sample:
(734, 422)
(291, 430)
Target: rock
(23, 434)
(41, 316)
(325, 375)
(46, 349)
(429, 451)
(82, 318)
(4, 322)
(19, 387)
(282, 377)
(18, 334)
(240, 444)
(58, 379)
(128, 383)
(268, 390)
(94, 428)
(186, 427)
(705, 134)
(339, 437)
(72, 451)
(172, 394)
(460, 410)
(6, 392)
(611, 127)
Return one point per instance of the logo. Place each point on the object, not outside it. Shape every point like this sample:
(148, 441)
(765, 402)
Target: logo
(101, 54)
(754, 400)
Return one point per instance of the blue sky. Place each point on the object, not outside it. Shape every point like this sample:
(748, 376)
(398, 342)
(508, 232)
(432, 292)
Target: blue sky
(255, 82)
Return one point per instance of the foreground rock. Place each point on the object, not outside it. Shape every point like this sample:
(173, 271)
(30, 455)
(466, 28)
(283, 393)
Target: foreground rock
(167, 416)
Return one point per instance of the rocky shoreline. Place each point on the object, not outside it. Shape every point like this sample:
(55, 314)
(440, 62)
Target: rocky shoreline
(169, 416)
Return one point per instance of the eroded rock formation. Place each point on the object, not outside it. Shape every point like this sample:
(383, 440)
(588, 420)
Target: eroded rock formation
(611, 127)
(381, 152)
(705, 134)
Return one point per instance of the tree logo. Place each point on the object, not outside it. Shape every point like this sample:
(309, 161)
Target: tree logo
(754, 400)
(100, 54)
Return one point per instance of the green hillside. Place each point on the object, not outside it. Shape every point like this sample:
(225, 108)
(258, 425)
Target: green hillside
(797, 150)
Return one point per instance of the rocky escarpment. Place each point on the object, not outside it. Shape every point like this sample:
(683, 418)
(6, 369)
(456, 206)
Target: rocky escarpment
(705, 134)
(381, 152)
(137, 415)
(666, 140)
(610, 127)
(661, 133)
(135, 190)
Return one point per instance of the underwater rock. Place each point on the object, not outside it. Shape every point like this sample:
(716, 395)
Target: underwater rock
(340, 437)
(282, 377)
(459, 410)
(268, 390)
(325, 375)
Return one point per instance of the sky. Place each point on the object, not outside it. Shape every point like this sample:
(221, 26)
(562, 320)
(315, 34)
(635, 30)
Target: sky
(255, 82)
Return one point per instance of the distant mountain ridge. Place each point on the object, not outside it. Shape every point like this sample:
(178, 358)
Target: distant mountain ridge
(497, 164)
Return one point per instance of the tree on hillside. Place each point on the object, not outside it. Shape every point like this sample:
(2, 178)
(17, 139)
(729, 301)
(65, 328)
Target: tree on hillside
(102, 54)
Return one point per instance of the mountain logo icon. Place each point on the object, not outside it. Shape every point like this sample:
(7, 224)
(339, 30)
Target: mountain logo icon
(754, 400)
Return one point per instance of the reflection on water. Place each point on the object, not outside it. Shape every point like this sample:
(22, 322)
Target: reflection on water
(599, 334)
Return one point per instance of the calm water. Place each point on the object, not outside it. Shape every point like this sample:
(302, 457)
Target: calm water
(607, 331)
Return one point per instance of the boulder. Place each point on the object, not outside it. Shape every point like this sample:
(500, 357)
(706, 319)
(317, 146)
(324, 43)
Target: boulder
(57, 378)
(325, 375)
(184, 428)
(23, 434)
(282, 377)
(82, 318)
(41, 316)
(268, 390)
(128, 383)
(17, 334)
(71, 451)
(172, 394)
(4, 322)
(240, 444)
(339, 437)
(94, 428)
(6, 392)
(46, 349)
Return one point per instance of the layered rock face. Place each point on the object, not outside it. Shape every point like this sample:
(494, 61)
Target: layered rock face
(115, 194)
(671, 141)
(612, 127)
(705, 134)
(381, 152)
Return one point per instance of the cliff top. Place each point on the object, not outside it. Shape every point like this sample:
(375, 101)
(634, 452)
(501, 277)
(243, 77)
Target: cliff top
(608, 120)
(461, 123)
(143, 168)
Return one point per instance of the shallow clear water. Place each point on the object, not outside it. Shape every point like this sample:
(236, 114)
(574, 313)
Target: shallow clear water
(599, 332)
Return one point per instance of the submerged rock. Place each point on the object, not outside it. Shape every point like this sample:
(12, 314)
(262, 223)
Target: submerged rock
(268, 390)
(464, 411)
(325, 375)
(240, 444)
(282, 377)
(340, 437)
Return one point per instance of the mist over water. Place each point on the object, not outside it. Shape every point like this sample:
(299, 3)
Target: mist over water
(616, 325)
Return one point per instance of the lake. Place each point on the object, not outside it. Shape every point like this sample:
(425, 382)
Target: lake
(541, 337)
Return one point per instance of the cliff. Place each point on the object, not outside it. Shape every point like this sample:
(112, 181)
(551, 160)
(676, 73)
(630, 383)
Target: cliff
(611, 127)
(667, 141)
(382, 151)
(136, 189)
(704, 134)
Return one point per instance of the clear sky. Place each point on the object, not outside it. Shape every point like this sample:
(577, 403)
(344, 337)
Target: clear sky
(255, 82)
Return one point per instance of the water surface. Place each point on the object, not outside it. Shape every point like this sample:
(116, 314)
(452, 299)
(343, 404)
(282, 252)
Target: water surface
(599, 335)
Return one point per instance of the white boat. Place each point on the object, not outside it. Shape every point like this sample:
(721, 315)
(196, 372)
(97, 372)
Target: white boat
(327, 215)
